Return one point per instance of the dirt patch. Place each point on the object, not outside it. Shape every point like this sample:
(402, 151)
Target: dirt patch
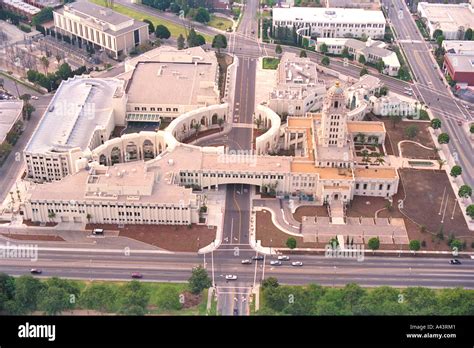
(397, 133)
(33, 237)
(310, 211)
(362, 206)
(38, 224)
(272, 236)
(410, 150)
(424, 190)
(169, 237)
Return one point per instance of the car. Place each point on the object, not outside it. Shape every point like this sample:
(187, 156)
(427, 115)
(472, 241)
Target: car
(275, 263)
(35, 271)
(454, 262)
(460, 123)
(236, 311)
(246, 262)
(230, 277)
(407, 88)
(408, 93)
(34, 97)
(297, 263)
(258, 258)
(283, 258)
(137, 275)
(253, 31)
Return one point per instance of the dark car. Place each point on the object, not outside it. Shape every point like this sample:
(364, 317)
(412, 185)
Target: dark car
(236, 311)
(36, 271)
(137, 275)
(454, 262)
(258, 258)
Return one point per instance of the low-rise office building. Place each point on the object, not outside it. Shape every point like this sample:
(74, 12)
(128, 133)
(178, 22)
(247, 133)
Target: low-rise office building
(452, 19)
(459, 61)
(298, 88)
(81, 116)
(166, 82)
(100, 27)
(10, 114)
(331, 22)
(372, 50)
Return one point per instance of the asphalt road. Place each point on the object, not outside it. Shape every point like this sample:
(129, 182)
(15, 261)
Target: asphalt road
(11, 168)
(431, 87)
(176, 267)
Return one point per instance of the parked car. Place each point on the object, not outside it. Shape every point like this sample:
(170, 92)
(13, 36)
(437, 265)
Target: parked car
(35, 271)
(454, 262)
(246, 262)
(297, 263)
(283, 258)
(230, 277)
(275, 263)
(257, 258)
(137, 275)
(34, 97)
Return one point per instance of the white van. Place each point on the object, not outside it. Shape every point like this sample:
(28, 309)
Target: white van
(98, 231)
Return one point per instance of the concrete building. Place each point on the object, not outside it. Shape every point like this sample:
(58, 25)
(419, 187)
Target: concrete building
(460, 68)
(331, 22)
(459, 47)
(10, 114)
(166, 82)
(358, 96)
(325, 166)
(452, 19)
(394, 105)
(363, 4)
(100, 27)
(372, 50)
(298, 88)
(20, 7)
(80, 117)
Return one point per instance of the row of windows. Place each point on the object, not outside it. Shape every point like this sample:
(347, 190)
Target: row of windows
(64, 206)
(144, 108)
(333, 25)
(364, 186)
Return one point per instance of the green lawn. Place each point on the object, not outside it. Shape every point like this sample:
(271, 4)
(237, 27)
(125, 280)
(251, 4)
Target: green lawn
(174, 29)
(220, 23)
(270, 63)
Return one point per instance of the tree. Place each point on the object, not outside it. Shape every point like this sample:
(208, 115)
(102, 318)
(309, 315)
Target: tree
(271, 282)
(380, 65)
(27, 293)
(352, 295)
(437, 33)
(200, 40)
(278, 49)
(465, 191)
(441, 163)
(64, 71)
(439, 40)
(151, 27)
(443, 138)
(374, 243)
(291, 243)
(415, 245)
(362, 59)
(456, 171)
(99, 297)
(202, 15)
(220, 122)
(7, 290)
(197, 126)
(303, 54)
(59, 58)
(395, 120)
(199, 280)
(133, 298)
(325, 61)
(193, 39)
(470, 210)
(411, 131)
(45, 63)
(456, 244)
(471, 128)
(180, 42)
(54, 300)
(435, 123)
(345, 52)
(162, 32)
(421, 301)
(45, 15)
(364, 71)
(219, 41)
(468, 34)
(51, 215)
(323, 48)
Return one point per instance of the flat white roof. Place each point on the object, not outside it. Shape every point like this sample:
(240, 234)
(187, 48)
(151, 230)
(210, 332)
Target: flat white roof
(32, 10)
(10, 112)
(80, 105)
(459, 46)
(328, 15)
(448, 17)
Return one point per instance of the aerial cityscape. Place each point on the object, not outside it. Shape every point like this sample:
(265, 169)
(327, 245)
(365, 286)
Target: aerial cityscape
(236, 157)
